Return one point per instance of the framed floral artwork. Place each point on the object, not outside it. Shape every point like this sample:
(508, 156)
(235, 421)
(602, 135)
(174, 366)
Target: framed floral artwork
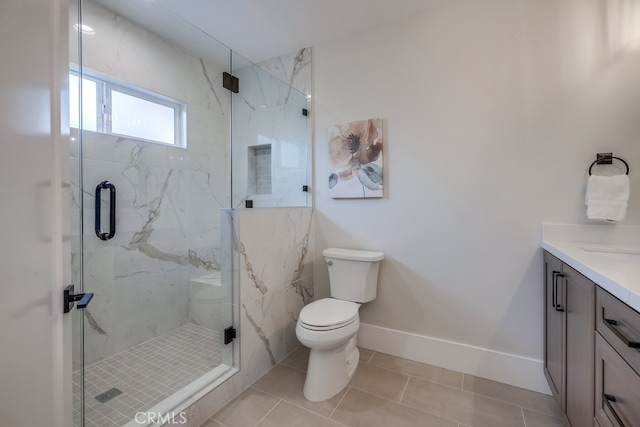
(355, 157)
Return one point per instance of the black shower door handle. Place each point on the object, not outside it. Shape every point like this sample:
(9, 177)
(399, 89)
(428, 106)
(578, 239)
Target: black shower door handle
(112, 210)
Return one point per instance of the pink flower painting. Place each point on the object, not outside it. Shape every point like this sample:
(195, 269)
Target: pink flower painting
(355, 155)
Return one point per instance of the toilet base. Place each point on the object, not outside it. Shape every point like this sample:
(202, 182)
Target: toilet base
(330, 370)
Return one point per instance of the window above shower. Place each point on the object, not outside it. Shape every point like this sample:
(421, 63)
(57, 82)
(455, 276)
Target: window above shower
(117, 108)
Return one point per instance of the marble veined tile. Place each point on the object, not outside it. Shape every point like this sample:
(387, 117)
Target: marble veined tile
(293, 68)
(261, 336)
(99, 315)
(275, 242)
(151, 204)
(274, 250)
(296, 296)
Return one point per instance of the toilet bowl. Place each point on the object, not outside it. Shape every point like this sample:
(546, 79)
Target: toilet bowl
(329, 326)
(332, 339)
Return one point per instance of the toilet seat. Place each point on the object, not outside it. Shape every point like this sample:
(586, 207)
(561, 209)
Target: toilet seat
(328, 314)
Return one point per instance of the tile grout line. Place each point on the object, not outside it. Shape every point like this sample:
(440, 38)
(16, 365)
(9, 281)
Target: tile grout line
(270, 410)
(423, 379)
(291, 352)
(281, 398)
(541, 412)
(524, 420)
(343, 396)
(306, 409)
(370, 357)
(213, 419)
(406, 385)
(398, 371)
(292, 367)
(302, 407)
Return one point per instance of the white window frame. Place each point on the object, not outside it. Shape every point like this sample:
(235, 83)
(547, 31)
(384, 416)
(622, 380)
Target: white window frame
(106, 84)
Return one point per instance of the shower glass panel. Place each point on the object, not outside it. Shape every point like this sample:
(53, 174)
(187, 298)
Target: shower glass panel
(270, 150)
(162, 285)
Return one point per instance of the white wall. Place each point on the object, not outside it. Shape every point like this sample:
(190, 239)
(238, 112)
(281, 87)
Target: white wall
(493, 112)
(34, 336)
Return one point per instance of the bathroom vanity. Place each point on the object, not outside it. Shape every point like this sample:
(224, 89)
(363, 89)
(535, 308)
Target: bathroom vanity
(592, 323)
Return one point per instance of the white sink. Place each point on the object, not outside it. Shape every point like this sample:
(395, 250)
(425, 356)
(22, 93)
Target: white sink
(614, 254)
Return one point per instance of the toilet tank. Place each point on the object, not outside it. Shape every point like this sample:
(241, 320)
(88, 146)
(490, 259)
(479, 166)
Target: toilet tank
(353, 274)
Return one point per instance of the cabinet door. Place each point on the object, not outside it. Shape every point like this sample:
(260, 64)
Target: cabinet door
(553, 326)
(579, 353)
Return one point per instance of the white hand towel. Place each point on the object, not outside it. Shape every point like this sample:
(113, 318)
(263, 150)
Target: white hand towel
(606, 197)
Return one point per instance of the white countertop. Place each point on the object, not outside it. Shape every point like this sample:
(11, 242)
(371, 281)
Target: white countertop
(607, 254)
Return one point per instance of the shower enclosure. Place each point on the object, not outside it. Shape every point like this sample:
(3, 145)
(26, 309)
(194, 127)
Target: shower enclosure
(156, 141)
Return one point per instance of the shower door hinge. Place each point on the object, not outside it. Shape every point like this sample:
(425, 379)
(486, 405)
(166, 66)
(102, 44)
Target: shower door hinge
(230, 82)
(69, 298)
(229, 334)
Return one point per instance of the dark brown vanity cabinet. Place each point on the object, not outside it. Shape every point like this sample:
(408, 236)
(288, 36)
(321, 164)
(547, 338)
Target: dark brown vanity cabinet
(569, 340)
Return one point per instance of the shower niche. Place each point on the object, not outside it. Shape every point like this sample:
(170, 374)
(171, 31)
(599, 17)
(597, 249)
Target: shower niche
(259, 170)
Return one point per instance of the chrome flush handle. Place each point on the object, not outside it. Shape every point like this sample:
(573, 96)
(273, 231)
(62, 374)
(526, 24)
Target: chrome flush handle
(329, 262)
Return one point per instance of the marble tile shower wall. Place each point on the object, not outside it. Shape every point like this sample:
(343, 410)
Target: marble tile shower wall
(293, 68)
(276, 280)
(169, 199)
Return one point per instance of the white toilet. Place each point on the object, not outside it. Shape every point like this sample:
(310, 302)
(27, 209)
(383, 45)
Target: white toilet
(329, 326)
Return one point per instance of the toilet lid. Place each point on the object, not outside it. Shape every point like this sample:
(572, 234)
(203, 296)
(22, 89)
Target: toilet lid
(329, 312)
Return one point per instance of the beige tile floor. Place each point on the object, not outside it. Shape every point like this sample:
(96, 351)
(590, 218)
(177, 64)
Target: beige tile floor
(387, 391)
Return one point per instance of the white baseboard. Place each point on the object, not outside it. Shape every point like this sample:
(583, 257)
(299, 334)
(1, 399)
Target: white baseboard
(506, 368)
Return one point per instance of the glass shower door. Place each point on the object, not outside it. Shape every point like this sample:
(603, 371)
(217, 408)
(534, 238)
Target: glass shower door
(150, 177)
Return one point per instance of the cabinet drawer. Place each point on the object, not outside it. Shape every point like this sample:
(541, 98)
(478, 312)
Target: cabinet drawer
(620, 326)
(617, 388)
